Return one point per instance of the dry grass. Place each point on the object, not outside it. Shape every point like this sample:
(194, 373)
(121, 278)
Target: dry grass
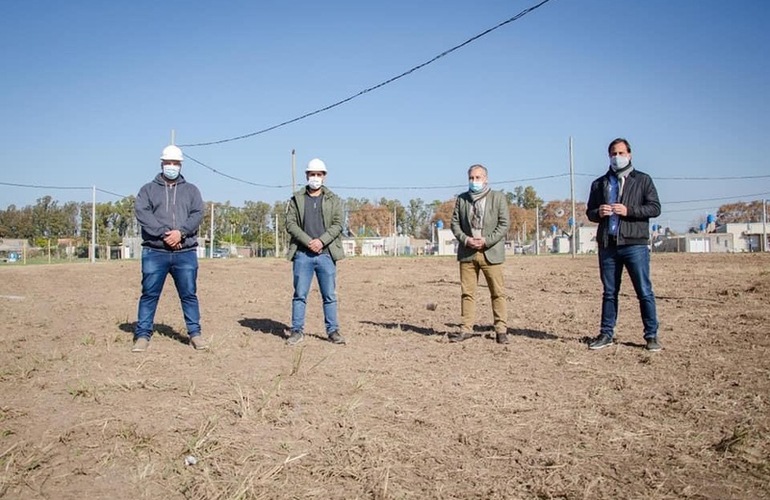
(398, 413)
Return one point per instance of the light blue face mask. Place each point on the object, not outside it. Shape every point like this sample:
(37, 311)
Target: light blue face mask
(171, 172)
(475, 187)
(619, 162)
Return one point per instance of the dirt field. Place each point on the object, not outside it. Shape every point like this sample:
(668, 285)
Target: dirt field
(399, 412)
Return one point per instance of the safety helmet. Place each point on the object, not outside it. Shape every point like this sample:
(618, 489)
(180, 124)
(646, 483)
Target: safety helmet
(316, 165)
(172, 153)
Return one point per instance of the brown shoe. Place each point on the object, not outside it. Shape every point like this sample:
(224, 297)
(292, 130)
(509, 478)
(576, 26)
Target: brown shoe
(199, 343)
(140, 344)
(502, 338)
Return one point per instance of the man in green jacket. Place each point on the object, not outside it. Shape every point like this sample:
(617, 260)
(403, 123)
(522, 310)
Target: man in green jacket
(480, 224)
(314, 221)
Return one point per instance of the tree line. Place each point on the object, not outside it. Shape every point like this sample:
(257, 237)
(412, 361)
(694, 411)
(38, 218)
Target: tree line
(255, 223)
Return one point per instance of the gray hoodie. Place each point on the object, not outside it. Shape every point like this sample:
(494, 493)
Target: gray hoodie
(162, 206)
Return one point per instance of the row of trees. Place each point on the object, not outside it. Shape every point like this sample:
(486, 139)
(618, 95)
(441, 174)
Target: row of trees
(255, 222)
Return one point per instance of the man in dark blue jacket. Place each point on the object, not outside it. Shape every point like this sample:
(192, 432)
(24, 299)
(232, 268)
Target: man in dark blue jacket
(170, 211)
(623, 201)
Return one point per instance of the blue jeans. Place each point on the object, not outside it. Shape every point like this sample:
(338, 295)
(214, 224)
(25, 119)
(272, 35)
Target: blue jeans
(307, 263)
(183, 266)
(636, 259)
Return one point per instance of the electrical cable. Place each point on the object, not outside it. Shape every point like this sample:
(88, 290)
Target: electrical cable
(370, 89)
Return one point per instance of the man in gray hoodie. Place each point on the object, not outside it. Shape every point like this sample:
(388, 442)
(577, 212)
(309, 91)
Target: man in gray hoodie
(170, 211)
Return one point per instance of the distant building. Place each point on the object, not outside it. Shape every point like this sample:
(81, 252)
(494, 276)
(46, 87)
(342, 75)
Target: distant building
(747, 236)
(695, 243)
(447, 243)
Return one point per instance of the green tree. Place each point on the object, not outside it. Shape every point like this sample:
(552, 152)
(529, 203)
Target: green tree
(416, 221)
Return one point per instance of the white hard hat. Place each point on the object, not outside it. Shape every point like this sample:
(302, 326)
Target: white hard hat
(172, 153)
(316, 165)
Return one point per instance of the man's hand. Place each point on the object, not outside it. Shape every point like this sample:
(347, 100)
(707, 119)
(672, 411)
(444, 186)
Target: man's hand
(316, 245)
(615, 208)
(619, 209)
(173, 239)
(475, 243)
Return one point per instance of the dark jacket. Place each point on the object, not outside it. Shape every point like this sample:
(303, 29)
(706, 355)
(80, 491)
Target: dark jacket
(162, 207)
(495, 226)
(332, 217)
(640, 198)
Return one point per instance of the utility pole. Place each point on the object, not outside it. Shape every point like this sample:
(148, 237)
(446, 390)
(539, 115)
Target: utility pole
(572, 195)
(537, 229)
(293, 172)
(764, 225)
(211, 232)
(93, 225)
(395, 232)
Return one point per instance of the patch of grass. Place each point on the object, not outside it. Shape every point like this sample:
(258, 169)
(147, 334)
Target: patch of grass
(84, 390)
(203, 441)
(242, 401)
(728, 443)
(136, 439)
(297, 361)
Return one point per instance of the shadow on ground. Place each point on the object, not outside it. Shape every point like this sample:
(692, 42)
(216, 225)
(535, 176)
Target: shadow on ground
(161, 329)
(265, 325)
(405, 327)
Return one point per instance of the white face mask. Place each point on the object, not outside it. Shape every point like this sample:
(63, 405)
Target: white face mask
(315, 183)
(171, 172)
(619, 162)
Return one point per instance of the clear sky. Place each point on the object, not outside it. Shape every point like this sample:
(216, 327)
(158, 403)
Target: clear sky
(91, 90)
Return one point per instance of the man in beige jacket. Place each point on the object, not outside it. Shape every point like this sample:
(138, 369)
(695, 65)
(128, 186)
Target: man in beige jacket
(480, 224)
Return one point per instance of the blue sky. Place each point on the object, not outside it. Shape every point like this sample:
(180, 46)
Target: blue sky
(91, 91)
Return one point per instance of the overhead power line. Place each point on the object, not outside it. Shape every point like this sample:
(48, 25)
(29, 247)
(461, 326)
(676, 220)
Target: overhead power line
(726, 178)
(43, 187)
(718, 199)
(452, 186)
(276, 186)
(75, 188)
(386, 82)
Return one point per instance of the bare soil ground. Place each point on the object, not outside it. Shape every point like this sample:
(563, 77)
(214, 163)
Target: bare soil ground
(398, 413)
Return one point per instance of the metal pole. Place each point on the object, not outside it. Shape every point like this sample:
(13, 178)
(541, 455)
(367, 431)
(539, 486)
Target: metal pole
(93, 224)
(276, 234)
(537, 229)
(764, 225)
(395, 233)
(293, 172)
(572, 195)
(211, 243)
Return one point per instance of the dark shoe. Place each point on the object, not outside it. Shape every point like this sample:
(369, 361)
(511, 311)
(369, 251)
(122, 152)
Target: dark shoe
(199, 343)
(457, 337)
(653, 345)
(502, 338)
(295, 338)
(600, 342)
(336, 338)
(140, 344)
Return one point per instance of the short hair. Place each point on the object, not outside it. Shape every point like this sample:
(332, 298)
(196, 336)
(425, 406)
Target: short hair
(618, 141)
(478, 165)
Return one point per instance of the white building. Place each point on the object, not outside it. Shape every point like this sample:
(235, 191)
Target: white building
(747, 236)
(447, 243)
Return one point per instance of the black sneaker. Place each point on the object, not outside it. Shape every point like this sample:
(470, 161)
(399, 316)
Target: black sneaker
(502, 338)
(336, 338)
(653, 345)
(600, 342)
(456, 337)
(295, 338)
